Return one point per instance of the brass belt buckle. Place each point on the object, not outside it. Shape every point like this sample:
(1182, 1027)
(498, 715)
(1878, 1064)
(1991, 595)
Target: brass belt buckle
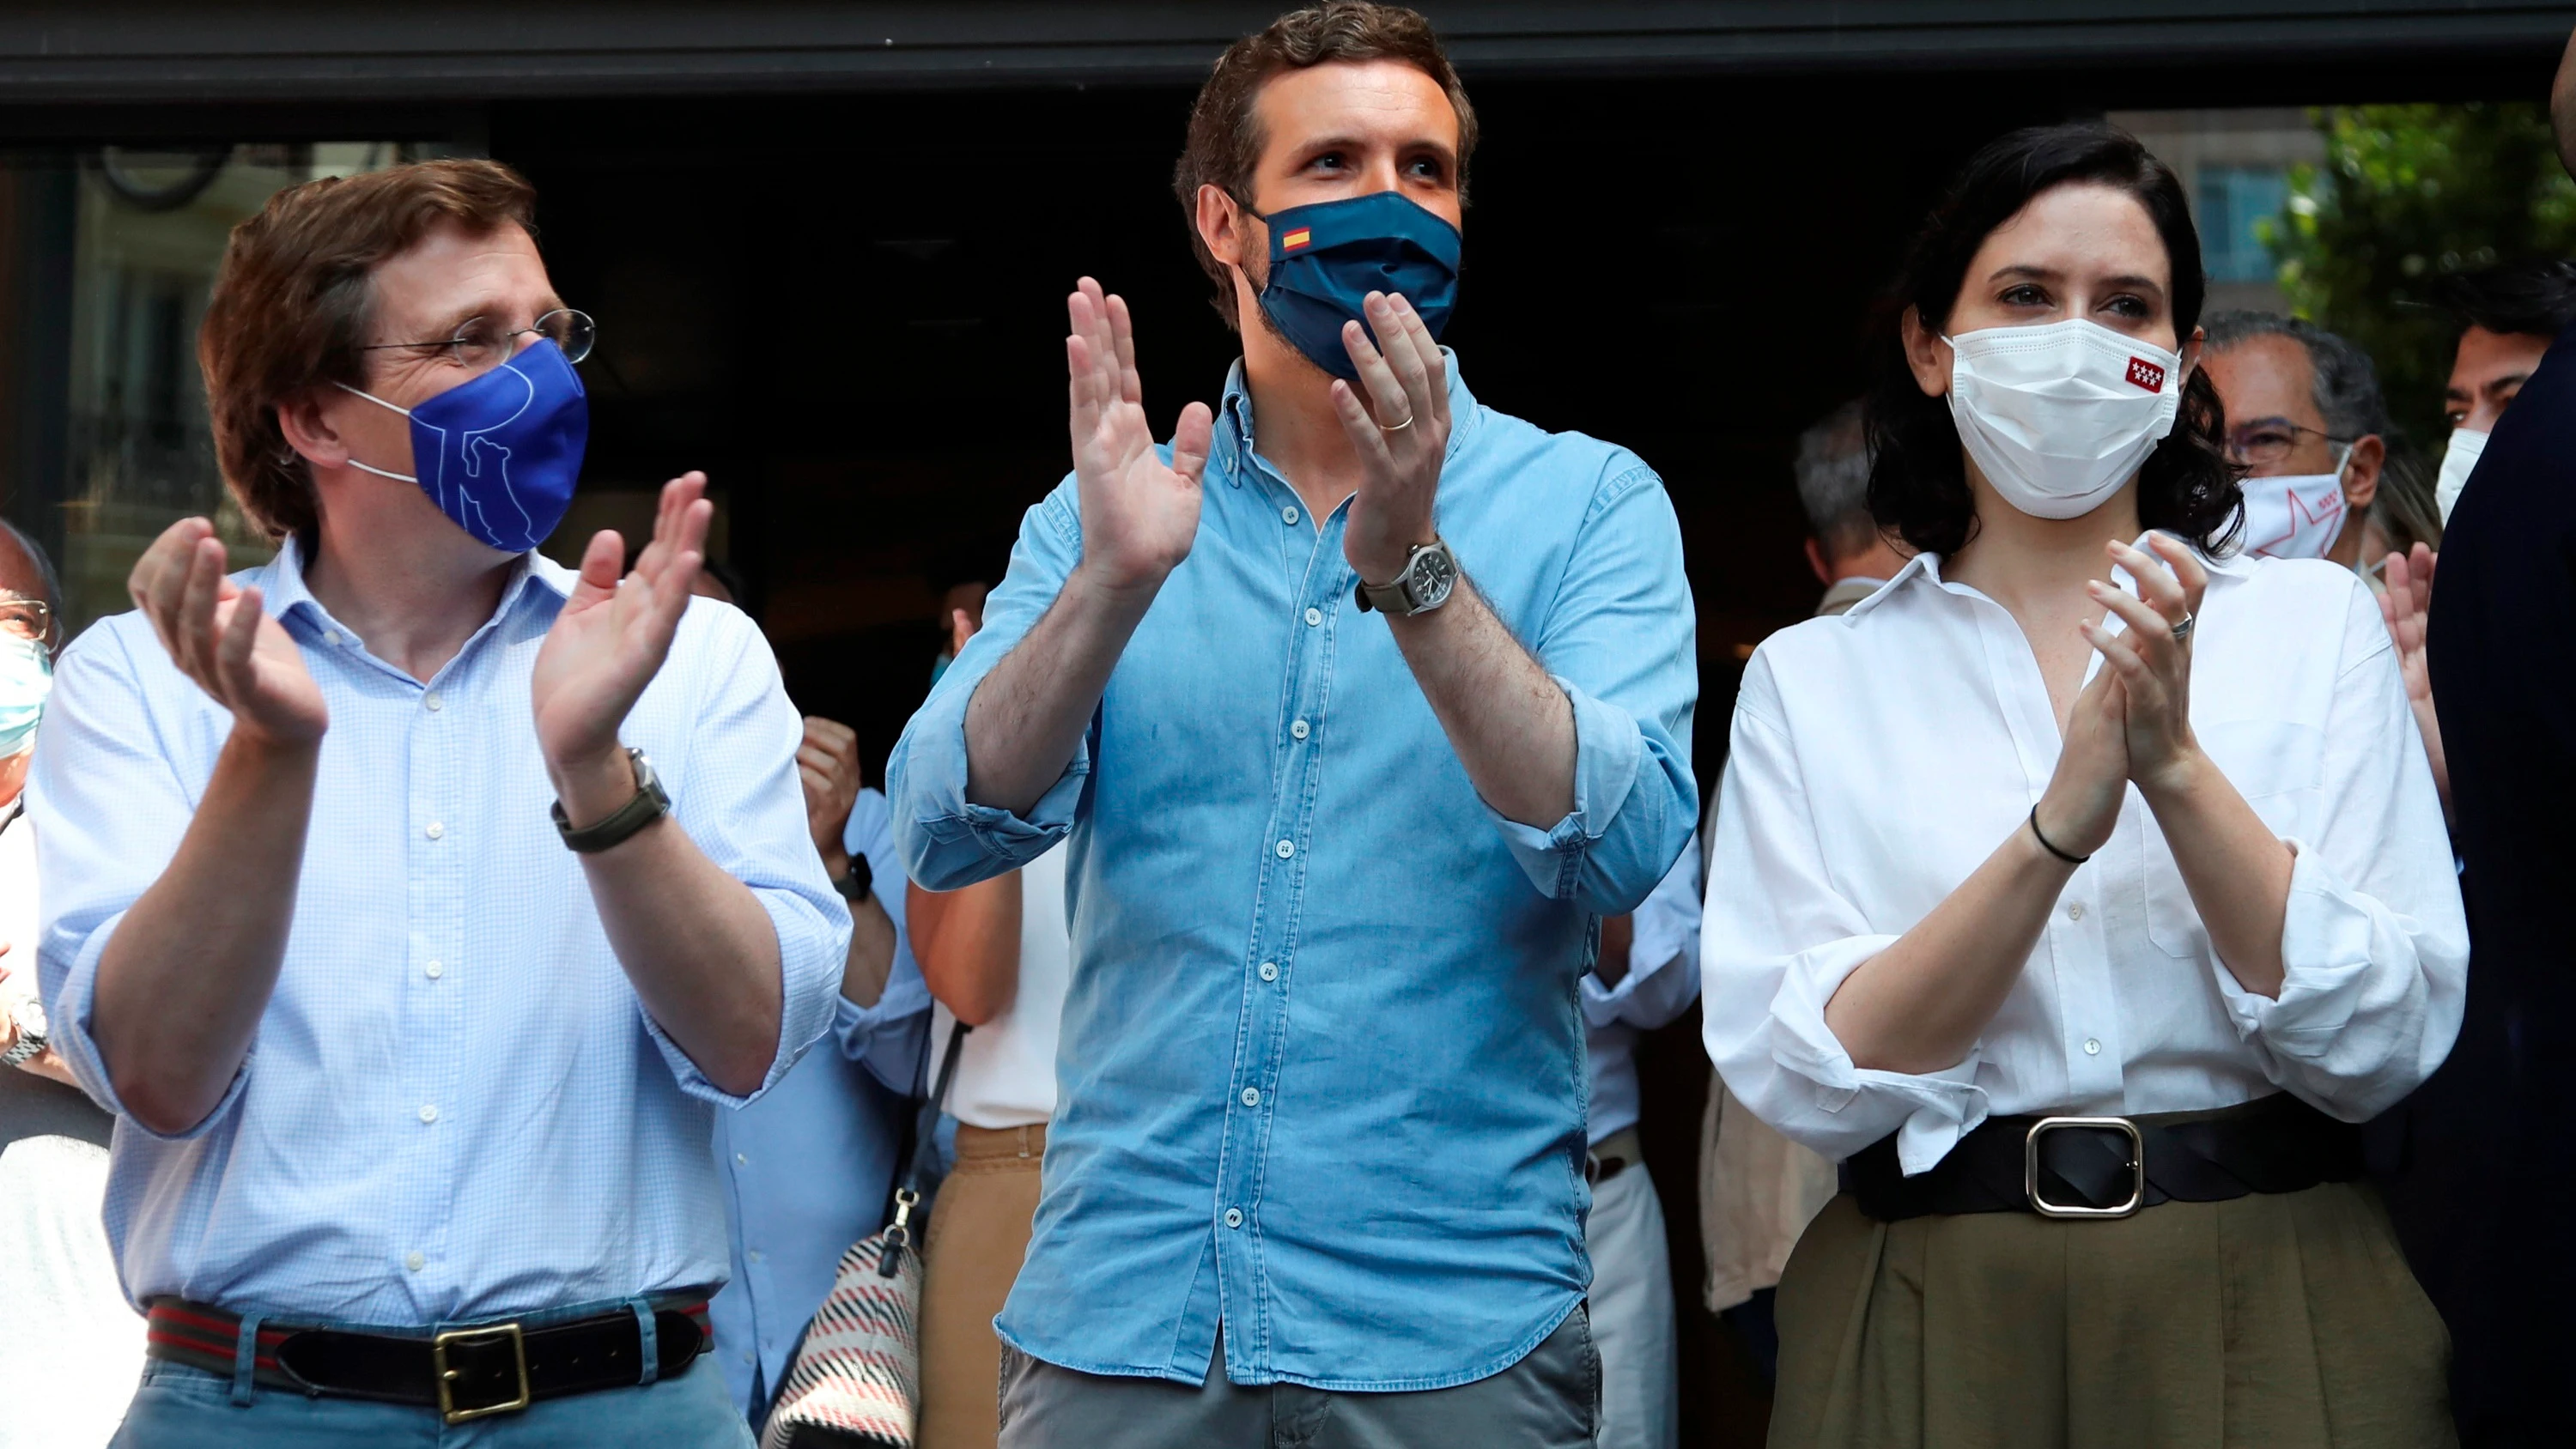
(2030, 1167)
(477, 1338)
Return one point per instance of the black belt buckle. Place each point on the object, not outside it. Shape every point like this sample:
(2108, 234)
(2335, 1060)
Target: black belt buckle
(2137, 1167)
(470, 1341)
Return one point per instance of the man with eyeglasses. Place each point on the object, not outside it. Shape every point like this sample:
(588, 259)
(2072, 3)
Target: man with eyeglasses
(2304, 417)
(413, 900)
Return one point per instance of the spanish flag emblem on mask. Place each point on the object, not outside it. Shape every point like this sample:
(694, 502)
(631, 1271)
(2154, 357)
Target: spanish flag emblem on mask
(1295, 239)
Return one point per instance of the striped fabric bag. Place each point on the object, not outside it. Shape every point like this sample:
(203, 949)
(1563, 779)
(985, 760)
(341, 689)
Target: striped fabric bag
(856, 1382)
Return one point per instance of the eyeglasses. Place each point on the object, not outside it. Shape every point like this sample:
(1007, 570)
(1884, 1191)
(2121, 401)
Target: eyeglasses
(26, 618)
(2267, 441)
(481, 342)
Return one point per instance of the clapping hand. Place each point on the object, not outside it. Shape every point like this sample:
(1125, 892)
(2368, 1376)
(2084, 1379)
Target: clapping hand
(827, 765)
(216, 632)
(2405, 607)
(1139, 514)
(2152, 655)
(609, 642)
(1401, 435)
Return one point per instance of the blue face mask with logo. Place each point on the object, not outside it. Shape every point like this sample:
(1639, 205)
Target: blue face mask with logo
(499, 455)
(26, 678)
(1325, 259)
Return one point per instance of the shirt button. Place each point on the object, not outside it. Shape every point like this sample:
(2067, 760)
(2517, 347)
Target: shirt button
(1234, 1217)
(429, 1111)
(1269, 970)
(1286, 848)
(415, 1261)
(432, 702)
(331, 637)
(1252, 1096)
(1314, 616)
(740, 1160)
(435, 831)
(2075, 910)
(1288, 514)
(2092, 1046)
(1299, 730)
(753, 1255)
(433, 971)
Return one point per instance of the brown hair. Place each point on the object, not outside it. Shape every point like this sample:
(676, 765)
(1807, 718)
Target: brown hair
(292, 305)
(1225, 134)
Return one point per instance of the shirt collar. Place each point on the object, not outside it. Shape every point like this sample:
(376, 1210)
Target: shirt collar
(1927, 566)
(282, 582)
(1234, 430)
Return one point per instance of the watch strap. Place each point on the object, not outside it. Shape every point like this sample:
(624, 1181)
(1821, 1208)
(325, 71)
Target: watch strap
(648, 804)
(859, 882)
(29, 1045)
(1395, 598)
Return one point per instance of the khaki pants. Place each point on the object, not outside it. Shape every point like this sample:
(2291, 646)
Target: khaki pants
(979, 1232)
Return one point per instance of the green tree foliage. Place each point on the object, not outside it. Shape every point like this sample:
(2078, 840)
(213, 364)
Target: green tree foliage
(2409, 194)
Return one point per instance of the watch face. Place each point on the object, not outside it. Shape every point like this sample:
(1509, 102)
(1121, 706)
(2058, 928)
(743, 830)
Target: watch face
(1431, 578)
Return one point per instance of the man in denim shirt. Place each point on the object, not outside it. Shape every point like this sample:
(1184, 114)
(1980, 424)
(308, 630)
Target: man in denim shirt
(1318, 1162)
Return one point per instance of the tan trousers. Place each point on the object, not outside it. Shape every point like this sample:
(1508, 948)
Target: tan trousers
(979, 1232)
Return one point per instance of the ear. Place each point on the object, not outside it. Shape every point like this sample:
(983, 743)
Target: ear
(1816, 561)
(2191, 350)
(305, 419)
(1231, 234)
(1925, 354)
(2361, 472)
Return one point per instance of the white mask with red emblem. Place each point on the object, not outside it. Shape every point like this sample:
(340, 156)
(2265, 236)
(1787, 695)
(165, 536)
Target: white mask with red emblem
(2060, 416)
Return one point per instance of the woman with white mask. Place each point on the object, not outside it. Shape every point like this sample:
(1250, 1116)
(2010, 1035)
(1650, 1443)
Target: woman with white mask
(2078, 894)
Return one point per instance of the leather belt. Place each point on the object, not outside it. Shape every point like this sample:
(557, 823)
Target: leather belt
(1615, 1154)
(2110, 1167)
(464, 1373)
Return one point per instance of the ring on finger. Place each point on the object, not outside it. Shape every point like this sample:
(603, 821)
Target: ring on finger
(1397, 428)
(2182, 627)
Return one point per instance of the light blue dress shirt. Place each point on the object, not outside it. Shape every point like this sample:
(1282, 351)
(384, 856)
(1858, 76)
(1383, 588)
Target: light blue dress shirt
(1662, 982)
(1321, 1073)
(455, 1107)
(807, 1167)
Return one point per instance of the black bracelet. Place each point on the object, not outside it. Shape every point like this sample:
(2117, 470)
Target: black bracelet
(858, 882)
(2051, 849)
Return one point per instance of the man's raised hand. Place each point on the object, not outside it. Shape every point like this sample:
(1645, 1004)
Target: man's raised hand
(1139, 514)
(218, 635)
(610, 639)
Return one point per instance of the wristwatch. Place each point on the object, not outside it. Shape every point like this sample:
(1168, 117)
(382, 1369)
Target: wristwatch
(650, 804)
(1424, 584)
(31, 1034)
(862, 878)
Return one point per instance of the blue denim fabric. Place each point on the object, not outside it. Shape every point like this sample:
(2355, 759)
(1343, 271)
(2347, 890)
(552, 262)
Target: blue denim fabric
(1322, 1066)
(180, 1407)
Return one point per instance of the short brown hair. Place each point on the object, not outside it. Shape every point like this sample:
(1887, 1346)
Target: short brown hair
(1225, 134)
(292, 304)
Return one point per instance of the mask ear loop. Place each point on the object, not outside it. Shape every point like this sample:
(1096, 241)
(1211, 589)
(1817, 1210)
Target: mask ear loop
(380, 402)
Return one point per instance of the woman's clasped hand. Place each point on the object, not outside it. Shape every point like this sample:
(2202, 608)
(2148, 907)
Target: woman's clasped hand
(2133, 719)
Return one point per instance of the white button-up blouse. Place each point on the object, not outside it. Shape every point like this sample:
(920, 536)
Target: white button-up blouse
(1881, 756)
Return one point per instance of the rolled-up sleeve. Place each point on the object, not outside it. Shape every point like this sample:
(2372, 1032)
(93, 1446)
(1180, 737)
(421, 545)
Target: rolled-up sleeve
(946, 841)
(2374, 945)
(884, 1037)
(1620, 641)
(742, 805)
(1776, 944)
(108, 811)
(1662, 979)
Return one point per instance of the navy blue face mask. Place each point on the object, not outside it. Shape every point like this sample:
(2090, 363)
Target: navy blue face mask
(499, 455)
(1325, 259)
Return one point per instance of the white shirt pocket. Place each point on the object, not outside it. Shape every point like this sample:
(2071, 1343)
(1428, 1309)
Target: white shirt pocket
(2278, 767)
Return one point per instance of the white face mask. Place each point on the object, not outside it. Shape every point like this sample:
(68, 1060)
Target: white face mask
(2060, 416)
(2459, 459)
(2295, 515)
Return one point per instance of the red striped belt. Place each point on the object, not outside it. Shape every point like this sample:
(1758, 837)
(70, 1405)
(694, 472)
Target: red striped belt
(465, 1372)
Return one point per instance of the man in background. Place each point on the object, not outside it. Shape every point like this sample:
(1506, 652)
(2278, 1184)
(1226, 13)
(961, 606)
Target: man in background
(2305, 419)
(70, 1345)
(1844, 546)
(2509, 315)
(2507, 705)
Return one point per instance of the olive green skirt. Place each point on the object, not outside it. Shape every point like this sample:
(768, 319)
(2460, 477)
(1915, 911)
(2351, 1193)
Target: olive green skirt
(2277, 1321)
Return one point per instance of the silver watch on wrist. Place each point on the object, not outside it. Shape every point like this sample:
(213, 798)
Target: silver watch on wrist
(1429, 576)
(31, 1034)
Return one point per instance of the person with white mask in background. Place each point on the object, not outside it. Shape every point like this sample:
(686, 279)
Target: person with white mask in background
(70, 1346)
(2058, 826)
(2509, 315)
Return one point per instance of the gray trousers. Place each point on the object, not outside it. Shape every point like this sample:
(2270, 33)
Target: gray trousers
(1551, 1399)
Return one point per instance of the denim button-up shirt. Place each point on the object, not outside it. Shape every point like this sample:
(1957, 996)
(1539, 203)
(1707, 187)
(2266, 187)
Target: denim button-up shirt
(1321, 1071)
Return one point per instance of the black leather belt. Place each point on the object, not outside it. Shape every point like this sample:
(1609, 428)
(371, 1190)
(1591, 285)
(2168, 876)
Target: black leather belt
(463, 1373)
(2110, 1167)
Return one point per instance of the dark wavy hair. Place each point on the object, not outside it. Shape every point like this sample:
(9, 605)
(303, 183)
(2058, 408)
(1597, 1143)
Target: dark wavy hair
(1918, 483)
